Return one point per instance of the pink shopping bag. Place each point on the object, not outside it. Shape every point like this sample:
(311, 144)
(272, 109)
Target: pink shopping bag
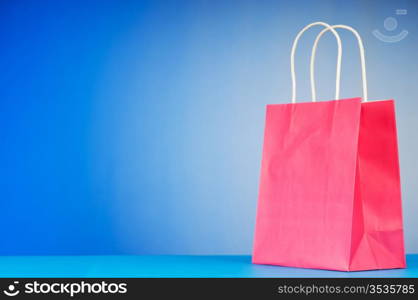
(330, 187)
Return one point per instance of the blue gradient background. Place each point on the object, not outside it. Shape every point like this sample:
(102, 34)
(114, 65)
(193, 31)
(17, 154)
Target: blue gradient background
(135, 127)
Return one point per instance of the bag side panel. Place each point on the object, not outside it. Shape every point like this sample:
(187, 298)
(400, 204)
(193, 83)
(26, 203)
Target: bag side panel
(378, 241)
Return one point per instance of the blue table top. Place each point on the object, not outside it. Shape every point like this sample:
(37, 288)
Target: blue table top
(171, 266)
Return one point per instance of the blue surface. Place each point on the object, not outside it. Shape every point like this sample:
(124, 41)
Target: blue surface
(171, 266)
(136, 127)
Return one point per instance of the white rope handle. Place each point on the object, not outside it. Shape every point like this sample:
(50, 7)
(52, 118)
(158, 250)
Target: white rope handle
(362, 58)
(292, 58)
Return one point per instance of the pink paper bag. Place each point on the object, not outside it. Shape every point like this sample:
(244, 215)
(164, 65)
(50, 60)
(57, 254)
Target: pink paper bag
(330, 187)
